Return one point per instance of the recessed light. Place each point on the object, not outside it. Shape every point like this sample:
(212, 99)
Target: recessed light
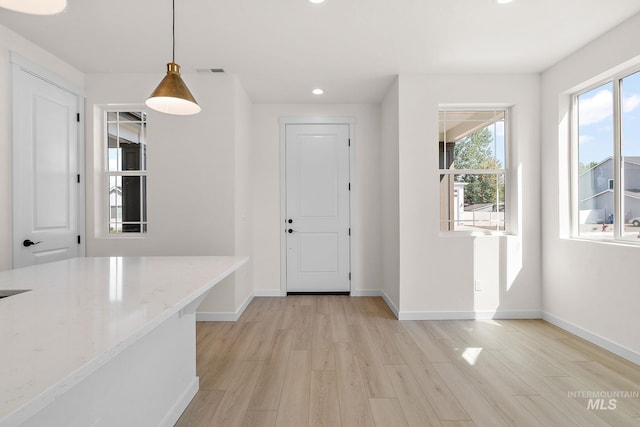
(317, 91)
(316, 1)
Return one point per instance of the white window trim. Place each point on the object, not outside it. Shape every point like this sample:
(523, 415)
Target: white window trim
(615, 77)
(104, 204)
(509, 197)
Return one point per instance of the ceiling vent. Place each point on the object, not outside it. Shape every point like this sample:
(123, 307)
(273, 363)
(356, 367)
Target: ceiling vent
(210, 70)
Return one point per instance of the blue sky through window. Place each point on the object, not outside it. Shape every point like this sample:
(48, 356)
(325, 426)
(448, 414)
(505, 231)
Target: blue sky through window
(595, 121)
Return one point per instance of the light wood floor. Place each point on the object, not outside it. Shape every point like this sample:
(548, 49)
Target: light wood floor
(344, 361)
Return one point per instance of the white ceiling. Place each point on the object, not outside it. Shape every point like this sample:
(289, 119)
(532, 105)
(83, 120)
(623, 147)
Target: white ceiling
(282, 49)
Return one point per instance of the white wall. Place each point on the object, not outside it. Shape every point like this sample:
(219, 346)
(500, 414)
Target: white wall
(590, 288)
(192, 175)
(366, 270)
(437, 271)
(389, 196)
(12, 42)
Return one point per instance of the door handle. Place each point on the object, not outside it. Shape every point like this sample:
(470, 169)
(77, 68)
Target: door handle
(291, 231)
(289, 221)
(28, 243)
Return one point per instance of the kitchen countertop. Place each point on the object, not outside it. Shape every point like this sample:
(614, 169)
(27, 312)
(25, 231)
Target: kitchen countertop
(82, 312)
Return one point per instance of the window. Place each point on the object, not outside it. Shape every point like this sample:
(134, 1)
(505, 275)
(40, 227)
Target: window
(126, 175)
(607, 173)
(472, 147)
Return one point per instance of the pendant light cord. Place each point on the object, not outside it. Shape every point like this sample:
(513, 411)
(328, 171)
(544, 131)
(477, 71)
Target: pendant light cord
(173, 34)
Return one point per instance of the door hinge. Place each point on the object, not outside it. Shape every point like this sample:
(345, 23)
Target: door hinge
(349, 142)
(78, 117)
(349, 186)
(349, 231)
(78, 239)
(78, 178)
(349, 275)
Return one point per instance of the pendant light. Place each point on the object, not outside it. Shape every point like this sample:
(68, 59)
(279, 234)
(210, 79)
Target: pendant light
(35, 7)
(172, 96)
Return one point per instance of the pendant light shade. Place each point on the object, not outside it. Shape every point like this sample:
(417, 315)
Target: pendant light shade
(35, 7)
(172, 96)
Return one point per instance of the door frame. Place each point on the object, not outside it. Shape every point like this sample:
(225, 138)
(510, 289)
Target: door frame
(21, 64)
(284, 121)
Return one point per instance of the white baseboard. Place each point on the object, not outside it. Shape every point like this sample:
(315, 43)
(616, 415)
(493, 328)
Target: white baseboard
(178, 408)
(469, 315)
(203, 316)
(391, 305)
(366, 293)
(618, 349)
(268, 293)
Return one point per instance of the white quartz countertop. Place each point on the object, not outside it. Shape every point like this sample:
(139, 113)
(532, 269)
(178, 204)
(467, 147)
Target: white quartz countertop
(80, 313)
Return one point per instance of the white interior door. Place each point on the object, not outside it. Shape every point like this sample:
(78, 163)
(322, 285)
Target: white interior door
(317, 208)
(45, 171)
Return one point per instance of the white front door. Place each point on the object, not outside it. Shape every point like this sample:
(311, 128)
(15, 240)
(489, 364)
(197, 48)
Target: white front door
(317, 208)
(45, 171)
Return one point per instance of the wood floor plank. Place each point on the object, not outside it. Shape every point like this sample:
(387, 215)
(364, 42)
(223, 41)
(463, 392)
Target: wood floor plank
(382, 339)
(354, 310)
(598, 377)
(256, 311)
(498, 384)
(233, 407)
(339, 324)
(293, 410)
(266, 395)
(261, 343)
(458, 424)
(372, 370)
(201, 410)
(223, 360)
(554, 393)
(433, 386)
(543, 411)
(355, 410)
(387, 412)
(260, 419)
(491, 374)
(206, 332)
(615, 418)
(322, 356)
(612, 361)
(324, 409)
(322, 304)
(425, 341)
(415, 406)
(481, 411)
(303, 327)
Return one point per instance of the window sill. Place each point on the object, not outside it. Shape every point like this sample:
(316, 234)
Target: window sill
(605, 241)
(475, 233)
(130, 236)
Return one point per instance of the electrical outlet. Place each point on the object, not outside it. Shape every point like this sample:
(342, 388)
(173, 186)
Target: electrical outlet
(477, 285)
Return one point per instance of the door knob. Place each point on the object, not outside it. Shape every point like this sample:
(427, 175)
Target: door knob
(290, 221)
(290, 231)
(28, 243)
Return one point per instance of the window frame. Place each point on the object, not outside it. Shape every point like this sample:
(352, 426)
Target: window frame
(618, 237)
(505, 170)
(105, 220)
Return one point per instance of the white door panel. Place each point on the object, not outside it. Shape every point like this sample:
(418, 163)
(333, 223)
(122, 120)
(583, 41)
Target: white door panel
(45, 159)
(317, 208)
